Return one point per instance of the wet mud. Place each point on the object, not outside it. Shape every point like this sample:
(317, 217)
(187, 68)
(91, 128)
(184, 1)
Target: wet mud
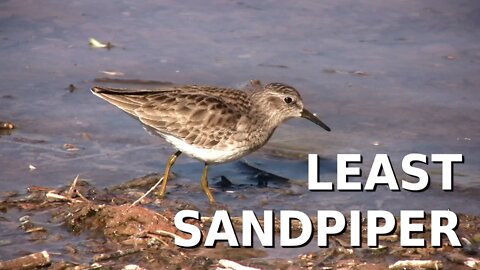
(100, 228)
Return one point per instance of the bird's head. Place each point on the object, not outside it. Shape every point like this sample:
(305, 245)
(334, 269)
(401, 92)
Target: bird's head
(284, 102)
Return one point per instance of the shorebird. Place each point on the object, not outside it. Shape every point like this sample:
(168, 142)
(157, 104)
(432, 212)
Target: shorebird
(211, 124)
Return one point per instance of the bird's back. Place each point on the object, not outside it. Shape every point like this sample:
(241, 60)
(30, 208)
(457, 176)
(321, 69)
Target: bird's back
(199, 115)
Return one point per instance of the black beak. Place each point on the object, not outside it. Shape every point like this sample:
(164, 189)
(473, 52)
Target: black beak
(308, 115)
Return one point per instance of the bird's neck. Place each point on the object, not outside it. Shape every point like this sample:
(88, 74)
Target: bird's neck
(263, 123)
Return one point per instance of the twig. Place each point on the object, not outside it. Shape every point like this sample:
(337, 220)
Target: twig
(146, 193)
(31, 261)
(116, 254)
(72, 187)
(461, 259)
(158, 238)
(162, 216)
(164, 233)
(57, 197)
(233, 265)
(424, 264)
(156, 233)
(81, 196)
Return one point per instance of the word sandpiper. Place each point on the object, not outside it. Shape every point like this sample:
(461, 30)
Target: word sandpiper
(265, 235)
(221, 219)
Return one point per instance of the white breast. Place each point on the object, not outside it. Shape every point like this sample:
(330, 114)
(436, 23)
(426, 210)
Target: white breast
(210, 156)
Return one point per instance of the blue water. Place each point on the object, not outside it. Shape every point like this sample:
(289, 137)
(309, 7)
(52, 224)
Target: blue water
(394, 78)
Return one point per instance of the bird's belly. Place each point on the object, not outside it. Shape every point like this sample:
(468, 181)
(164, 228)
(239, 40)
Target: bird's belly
(210, 156)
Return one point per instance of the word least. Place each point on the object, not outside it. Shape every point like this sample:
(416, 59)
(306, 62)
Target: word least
(382, 163)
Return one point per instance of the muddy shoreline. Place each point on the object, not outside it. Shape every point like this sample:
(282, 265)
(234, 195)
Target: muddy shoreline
(101, 228)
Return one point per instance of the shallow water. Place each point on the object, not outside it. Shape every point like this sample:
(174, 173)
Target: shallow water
(395, 78)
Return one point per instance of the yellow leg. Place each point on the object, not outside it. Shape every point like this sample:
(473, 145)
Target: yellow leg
(205, 184)
(170, 163)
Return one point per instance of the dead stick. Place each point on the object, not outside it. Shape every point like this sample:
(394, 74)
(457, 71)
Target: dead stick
(165, 233)
(146, 193)
(72, 187)
(31, 261)
(424, 264)
(116, 254)
(81, 196)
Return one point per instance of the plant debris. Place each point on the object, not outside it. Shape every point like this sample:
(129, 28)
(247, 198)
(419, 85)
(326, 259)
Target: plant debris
(97, 44)
(121, 234)
(112, 73)
(6, 125)
(31, 261)
(71, 147)
(351, 72)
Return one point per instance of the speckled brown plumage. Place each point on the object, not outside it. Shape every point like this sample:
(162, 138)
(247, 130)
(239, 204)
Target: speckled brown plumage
(212, 124)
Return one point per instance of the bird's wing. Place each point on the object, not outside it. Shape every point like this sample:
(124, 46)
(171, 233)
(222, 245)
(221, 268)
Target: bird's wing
(128, 100)
(192, 116)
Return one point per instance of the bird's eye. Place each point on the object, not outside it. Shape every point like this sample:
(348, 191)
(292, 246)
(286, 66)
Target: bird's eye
(288, 100)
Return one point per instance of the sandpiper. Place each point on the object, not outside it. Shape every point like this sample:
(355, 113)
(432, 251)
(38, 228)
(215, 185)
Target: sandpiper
(212, 124)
